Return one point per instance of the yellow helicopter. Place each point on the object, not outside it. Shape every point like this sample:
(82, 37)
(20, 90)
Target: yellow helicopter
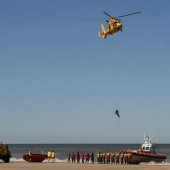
(114, 25)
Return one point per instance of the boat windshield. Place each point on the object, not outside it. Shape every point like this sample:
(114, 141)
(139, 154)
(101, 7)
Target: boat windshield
(147, 148)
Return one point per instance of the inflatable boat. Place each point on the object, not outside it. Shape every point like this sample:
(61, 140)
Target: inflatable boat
(36, 157)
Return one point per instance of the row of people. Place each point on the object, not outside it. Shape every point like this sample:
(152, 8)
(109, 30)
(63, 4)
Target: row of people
(85, 157)
(102, 157)
(113, 158)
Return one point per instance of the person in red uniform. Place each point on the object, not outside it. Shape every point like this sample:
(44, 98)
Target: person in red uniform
(121, 157)
(78, 157)
(82, 157)
(73, 157)
(108, 157)
(92, 157)
(117, 158)
(87, 157)
(125, 157)
(112, 158)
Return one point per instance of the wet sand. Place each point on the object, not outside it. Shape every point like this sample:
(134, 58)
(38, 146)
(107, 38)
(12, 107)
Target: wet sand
(70, 166)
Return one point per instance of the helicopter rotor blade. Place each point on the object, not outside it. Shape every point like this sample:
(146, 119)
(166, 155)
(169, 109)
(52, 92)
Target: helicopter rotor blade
(108, 14)
(121, 16)
(93, 20)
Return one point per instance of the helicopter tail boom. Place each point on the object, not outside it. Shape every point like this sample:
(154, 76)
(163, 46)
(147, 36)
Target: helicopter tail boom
(99, 34)
(103, 31)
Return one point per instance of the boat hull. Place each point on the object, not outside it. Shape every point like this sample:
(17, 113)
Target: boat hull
(34, 157)
(140, 157)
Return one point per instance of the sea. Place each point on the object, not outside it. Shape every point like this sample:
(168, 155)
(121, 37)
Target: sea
(62, 150)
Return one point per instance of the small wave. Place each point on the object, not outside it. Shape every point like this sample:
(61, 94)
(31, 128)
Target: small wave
(22, 160)
(16, 160)
(56, 160)
(155, 163)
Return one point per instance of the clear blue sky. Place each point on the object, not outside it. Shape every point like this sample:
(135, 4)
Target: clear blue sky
(60, 83)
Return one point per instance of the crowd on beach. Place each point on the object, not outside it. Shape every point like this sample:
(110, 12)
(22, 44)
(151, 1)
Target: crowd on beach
(101, 157)
(84, 157)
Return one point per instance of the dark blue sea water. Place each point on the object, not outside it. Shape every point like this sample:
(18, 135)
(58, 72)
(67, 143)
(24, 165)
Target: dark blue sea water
(61, 150)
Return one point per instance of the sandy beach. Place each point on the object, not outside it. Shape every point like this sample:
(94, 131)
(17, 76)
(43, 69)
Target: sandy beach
(70, 166)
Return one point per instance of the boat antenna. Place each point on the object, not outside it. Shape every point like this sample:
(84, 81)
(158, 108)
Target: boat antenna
(156, 140)
(144, 136)
(152, 137)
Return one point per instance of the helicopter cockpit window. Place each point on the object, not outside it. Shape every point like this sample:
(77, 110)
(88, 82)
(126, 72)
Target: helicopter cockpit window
(115, 23)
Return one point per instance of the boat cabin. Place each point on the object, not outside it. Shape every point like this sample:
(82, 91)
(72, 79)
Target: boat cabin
(147, 146)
